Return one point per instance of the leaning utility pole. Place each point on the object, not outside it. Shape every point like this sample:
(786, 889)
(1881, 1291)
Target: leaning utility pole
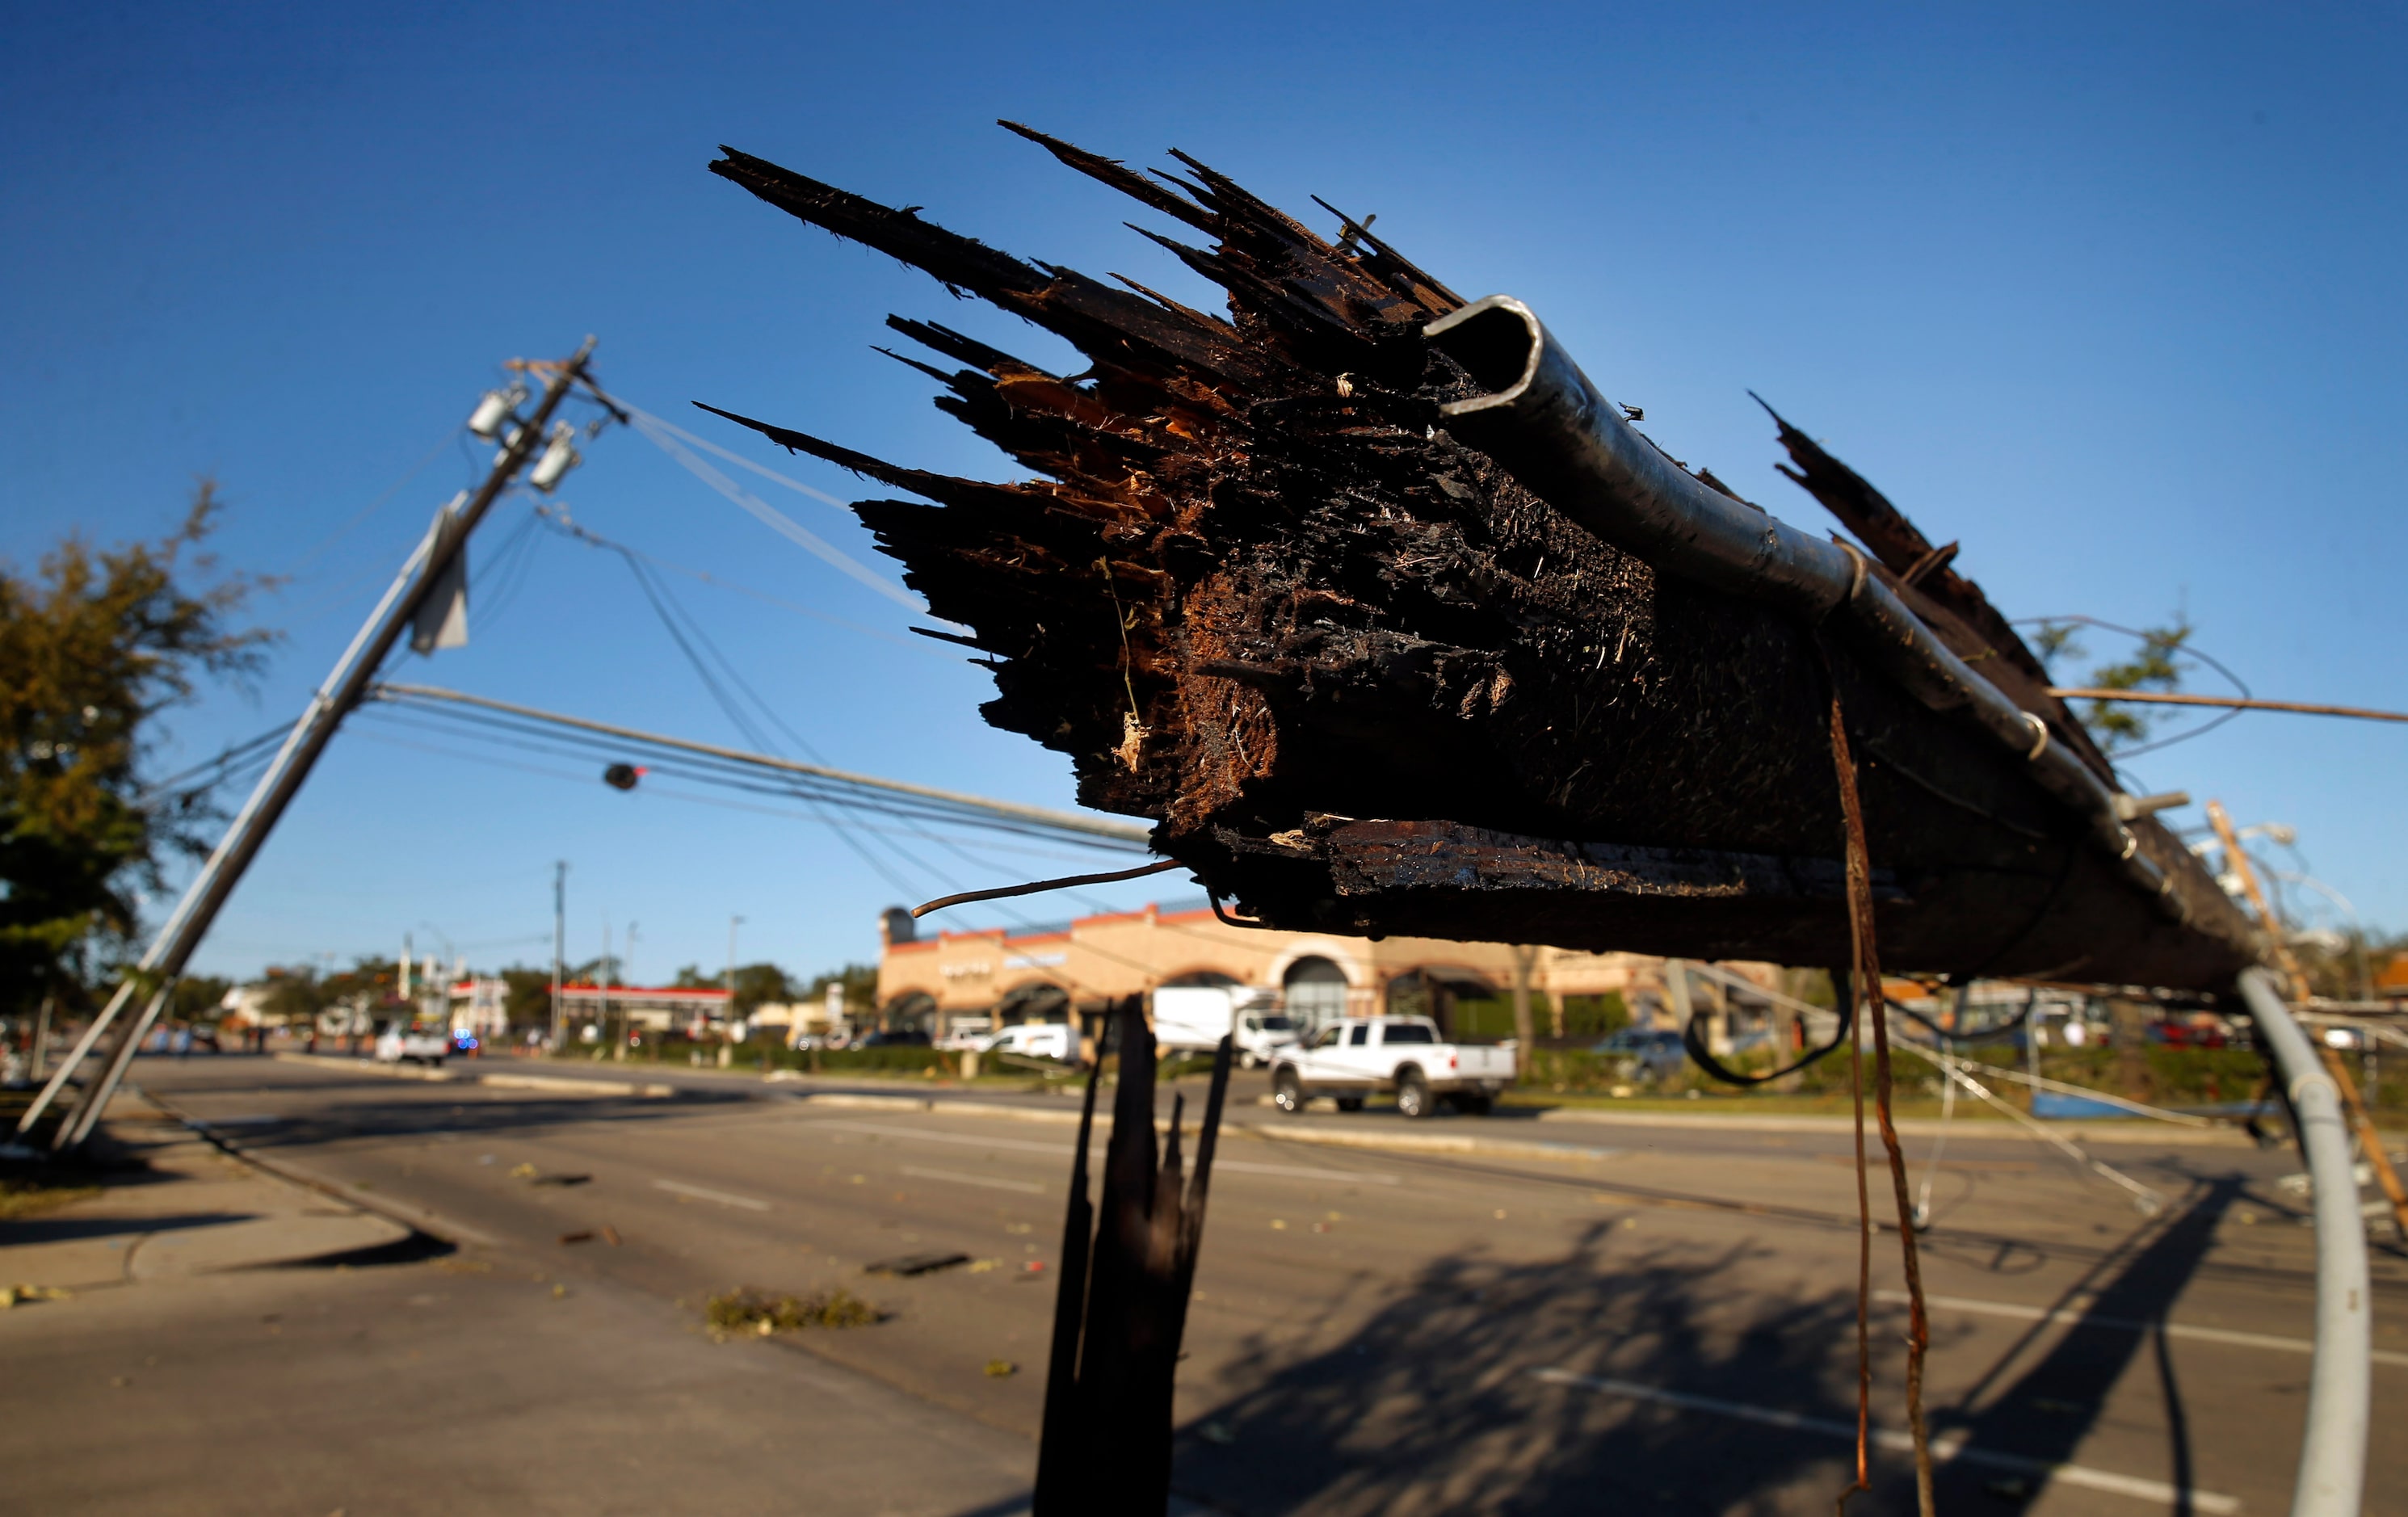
(433, 569)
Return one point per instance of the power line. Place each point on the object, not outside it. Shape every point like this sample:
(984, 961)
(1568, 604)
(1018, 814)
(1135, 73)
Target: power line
(742, 775)
(660, 435)
(672, 615)
(918, 645)
(1012, 812)
(301, 566)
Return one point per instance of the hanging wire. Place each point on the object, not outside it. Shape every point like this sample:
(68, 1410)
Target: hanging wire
(2186, 650)
(660, 435)
(918, 645)
(303, 564)
(498, 586)
(660, 602)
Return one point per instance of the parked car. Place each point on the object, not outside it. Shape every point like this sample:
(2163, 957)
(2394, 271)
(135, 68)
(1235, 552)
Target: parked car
(1644, 1053)
(1036, 1040)
(965, 1033)
(895, 1037)
(1352, 1058)
(403, 1043)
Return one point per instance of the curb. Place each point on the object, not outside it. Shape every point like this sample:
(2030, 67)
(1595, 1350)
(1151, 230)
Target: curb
(2139, 1130)
(1421, 1142)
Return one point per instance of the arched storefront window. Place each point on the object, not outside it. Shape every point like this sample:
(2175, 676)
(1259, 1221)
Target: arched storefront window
(1316, 992)
(1040, 1002)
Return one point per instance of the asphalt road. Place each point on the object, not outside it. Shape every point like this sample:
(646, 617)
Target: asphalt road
(1658, 1315)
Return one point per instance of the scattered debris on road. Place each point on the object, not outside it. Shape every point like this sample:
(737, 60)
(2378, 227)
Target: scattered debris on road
(537, 1176)
(584, 1235)
(747, 1310)
(1001, 1369)
(18, 1295)
(914, 1264)
(27, 1196)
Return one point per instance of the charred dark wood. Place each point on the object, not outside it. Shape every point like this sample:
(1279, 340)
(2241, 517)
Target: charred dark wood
(1257, 590)
(1121, 1307)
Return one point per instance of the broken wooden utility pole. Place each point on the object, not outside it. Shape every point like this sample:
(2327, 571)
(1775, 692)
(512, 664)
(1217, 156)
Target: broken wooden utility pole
(1393, 624)
(1128, 1266)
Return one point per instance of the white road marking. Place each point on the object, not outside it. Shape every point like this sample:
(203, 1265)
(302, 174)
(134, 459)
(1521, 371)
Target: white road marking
(1243, 1166)
(1026, 1187)
(704, 1193)
(1948, 1446)
(2073, 1317)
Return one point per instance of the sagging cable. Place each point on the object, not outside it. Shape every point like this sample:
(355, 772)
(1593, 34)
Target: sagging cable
(1037, 887)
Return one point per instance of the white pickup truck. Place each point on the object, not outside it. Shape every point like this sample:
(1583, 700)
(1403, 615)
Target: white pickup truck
(403, 1042)
(1354, 1057)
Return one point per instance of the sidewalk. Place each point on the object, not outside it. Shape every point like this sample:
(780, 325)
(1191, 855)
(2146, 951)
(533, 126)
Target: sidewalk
(232, 1342)
(188, 1211)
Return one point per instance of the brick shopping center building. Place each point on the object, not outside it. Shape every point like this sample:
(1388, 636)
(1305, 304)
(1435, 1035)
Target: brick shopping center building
(997, 977)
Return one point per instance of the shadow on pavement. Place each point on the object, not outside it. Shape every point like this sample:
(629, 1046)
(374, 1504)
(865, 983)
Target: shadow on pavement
(68, 1230)
(371, 1109)
(415, 1249)
(1435, 1405)
(2048, 1409)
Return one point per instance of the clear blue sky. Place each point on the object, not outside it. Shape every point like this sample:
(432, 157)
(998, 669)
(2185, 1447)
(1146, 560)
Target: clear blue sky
(2113, 293)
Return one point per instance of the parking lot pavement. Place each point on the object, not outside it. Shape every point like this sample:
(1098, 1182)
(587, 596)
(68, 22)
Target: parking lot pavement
(1659, 1323)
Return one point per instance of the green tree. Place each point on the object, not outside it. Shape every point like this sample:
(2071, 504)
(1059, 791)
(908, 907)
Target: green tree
(754, 984)
(528, 1001)
(294, 994)
(860, 982)
(198, 999)
(93, 647)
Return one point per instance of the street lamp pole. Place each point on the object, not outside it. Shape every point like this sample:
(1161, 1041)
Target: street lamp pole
(559, 946)
(730, 1013)
(626, 1008)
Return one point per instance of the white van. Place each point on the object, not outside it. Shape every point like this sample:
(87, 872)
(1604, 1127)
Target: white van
(1193, 1019)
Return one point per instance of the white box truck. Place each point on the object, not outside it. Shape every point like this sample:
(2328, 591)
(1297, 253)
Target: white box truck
(1193, 1019)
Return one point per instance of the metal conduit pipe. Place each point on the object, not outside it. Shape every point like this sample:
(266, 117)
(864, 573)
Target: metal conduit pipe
(2332, 1453)
(1547, 423)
